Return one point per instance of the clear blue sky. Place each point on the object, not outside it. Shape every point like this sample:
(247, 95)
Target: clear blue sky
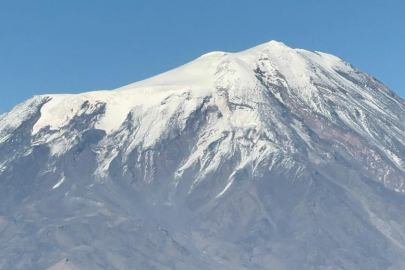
(73, 46)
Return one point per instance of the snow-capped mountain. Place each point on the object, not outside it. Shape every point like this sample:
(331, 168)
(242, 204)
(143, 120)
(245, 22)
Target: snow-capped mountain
(270, 158)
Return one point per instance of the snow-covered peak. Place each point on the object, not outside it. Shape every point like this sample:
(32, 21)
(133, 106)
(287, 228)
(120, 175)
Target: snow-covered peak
(200, 78)
(272, 45)
(214, 68)
(221, 69)
(238, 84)
(209, 165)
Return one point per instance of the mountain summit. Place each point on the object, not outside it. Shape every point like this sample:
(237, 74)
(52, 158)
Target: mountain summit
(270, 158)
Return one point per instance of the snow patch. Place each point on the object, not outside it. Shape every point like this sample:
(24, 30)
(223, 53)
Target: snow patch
(60, 182)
